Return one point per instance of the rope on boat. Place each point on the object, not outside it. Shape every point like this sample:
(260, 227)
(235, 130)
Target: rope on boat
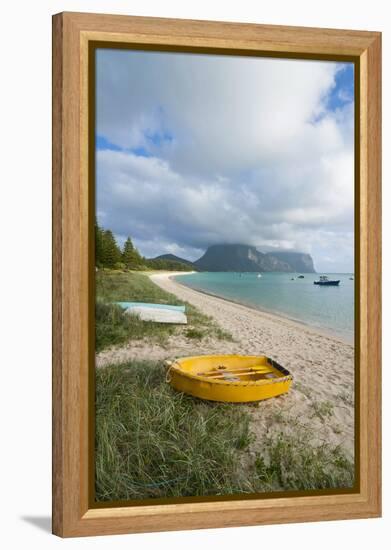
(170, 365)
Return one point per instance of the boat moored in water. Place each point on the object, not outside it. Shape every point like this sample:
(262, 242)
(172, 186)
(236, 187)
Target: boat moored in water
(229, 378)
(325, 281)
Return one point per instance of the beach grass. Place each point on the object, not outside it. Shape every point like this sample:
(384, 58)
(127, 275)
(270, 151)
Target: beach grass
(113, 327)
(292, 463)
(154, 442)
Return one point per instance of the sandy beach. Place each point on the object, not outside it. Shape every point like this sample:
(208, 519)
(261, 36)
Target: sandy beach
(320, 403)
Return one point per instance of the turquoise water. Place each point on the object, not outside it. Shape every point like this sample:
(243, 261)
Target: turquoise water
(328, 308)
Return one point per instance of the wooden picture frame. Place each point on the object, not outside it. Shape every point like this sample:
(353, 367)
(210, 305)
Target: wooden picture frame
(74, 512)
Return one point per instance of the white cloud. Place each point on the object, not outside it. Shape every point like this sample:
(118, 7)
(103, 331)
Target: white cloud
(244, 150)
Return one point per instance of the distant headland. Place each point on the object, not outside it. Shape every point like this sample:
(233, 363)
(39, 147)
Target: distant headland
(246, 258)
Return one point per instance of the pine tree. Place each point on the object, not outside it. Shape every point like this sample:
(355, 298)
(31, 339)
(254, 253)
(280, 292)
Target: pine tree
(130, 255)
(111, 252)
(98, 245)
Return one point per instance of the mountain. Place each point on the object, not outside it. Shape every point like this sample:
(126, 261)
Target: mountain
(241, 257)
(173, 258)
(299, 261)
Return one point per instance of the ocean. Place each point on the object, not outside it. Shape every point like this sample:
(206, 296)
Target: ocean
(329, 308)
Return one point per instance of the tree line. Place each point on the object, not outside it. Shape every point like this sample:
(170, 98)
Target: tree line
(110, 255)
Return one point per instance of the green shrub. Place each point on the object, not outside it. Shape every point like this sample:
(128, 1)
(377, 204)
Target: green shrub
(194, 333)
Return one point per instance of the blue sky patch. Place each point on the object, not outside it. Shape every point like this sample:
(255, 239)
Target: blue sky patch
(343, 91)
(103, 144)
(140, 152)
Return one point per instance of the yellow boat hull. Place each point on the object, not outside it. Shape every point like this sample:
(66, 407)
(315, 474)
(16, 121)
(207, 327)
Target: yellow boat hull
(229, 378)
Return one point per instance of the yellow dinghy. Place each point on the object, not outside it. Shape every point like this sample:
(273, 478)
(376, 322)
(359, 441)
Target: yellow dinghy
(231, 378)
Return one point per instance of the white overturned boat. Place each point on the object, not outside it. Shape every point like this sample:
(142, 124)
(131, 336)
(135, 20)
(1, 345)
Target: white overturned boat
(127, 305)
(159, 315)
(156, 313)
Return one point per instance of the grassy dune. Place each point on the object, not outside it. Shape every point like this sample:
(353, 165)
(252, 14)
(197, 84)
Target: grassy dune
(113, 327)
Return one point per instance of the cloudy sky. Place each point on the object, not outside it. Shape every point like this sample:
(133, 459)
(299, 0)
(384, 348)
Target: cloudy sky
(194, 150)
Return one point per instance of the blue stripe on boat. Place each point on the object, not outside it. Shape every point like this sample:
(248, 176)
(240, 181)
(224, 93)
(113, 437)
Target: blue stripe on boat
(127, 305)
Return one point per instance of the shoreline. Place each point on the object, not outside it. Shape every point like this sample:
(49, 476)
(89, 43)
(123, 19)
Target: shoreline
(321, 400)
(277, 317)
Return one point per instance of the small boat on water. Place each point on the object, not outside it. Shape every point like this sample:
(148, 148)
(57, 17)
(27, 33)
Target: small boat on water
(325, 281)
(300, 277)
(229, 378)
(259, 276)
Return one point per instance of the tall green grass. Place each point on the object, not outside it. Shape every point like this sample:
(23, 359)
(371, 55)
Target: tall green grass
(155, 442)
(115, 327)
